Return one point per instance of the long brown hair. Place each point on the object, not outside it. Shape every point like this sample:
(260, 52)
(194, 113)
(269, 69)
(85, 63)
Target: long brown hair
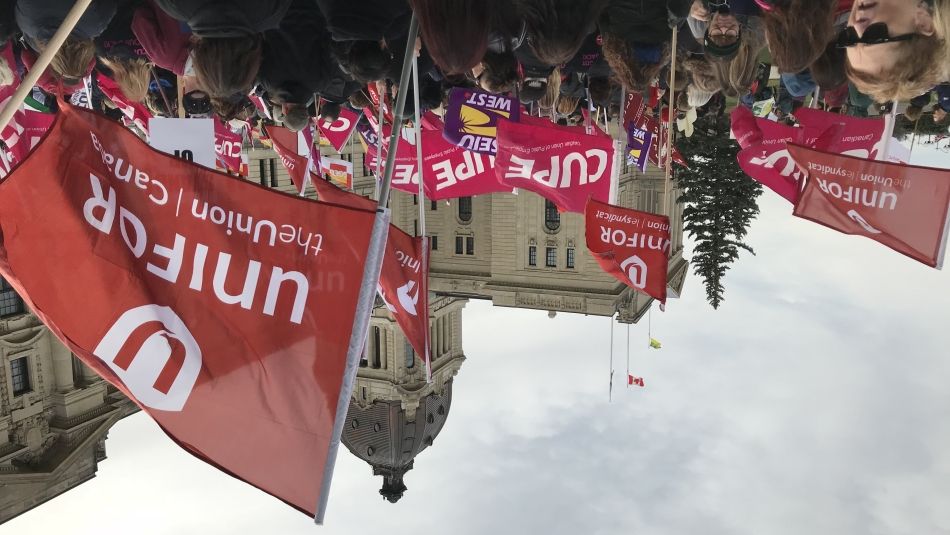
(132, 76)
(225, 66)
(557, 28)
(798, 31)
(73, 60)
(633, 76)
(455, 32)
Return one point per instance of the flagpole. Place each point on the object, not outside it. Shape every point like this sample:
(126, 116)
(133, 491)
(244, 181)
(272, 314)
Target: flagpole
(422, 202)
(888, 132)
(367, 296)
(610, 391)
(667, 186)
(628, 355)
(42, 62)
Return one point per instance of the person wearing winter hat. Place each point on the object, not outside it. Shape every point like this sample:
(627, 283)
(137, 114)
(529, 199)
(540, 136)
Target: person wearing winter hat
(697, 97)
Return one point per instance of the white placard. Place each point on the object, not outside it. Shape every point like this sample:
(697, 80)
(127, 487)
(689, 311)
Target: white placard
(188, 139)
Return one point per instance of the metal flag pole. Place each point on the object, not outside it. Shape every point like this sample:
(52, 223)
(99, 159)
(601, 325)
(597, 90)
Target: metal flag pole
(610, 390)
(42, 62)
(422, 200)
(628, 354)
(669, 130)
(379, 139)
(367, 296)
(891, 119)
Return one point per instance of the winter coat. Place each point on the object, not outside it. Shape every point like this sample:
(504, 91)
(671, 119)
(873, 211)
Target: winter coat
(165, 42)
(531, 66)
(943, 96)
(748, 8)
(296, 60)
(118, 40)
(366, 20)
(642, 21)
(227, 18)
(39, 20)
(589, 58)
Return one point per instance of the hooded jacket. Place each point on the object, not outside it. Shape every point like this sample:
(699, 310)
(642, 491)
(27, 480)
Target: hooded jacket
(39, 20)
(296, 60)
(366, 20)
(642, 21)
(227, 18)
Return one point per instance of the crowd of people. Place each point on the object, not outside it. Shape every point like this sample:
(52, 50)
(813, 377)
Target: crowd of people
(307, 58)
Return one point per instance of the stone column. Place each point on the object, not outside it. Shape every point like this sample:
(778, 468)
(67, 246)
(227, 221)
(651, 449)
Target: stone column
(62, 365)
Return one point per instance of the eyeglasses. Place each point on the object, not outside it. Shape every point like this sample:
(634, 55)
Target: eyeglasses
(719, 32)
(875, 34)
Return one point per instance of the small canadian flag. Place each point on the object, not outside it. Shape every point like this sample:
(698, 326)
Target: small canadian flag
(631, 380)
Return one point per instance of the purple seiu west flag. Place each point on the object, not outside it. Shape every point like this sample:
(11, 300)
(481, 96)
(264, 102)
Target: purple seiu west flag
(471, 118)
(639, 141)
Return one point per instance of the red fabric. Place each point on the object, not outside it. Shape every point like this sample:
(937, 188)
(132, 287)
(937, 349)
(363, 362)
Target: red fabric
(631, 380)
(844, 134)
(135, 111)
(632, 246)
(285, 145)
(405, 176)
(451, 171)
(763, 156)
(564, 167)
(162, 37)
(633, 111)
(233, 340)
(404, 287)
(901, 206)
(227, 147)
(338, 132)
(327, 192)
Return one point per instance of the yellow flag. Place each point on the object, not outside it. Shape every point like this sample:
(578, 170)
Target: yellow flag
(655, 344)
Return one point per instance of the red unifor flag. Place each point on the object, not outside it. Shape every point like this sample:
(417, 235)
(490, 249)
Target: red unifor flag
(901, 206)
(285, 145)
(338, 132)
(843, 134)
(227, 147)
(632, 246)
(658, 157)
(327, 192)
(223, 309)
(404, 287)
(562, 166)
(764, 157)
(134, 111)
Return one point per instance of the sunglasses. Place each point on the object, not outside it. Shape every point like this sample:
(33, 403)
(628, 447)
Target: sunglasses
(875, 34)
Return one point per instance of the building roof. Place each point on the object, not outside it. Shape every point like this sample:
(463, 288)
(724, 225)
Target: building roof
(389, 439)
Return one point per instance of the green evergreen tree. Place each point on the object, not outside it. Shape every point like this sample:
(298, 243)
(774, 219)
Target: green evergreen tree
(719, 202)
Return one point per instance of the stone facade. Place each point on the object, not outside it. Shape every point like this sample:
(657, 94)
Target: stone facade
(55, 413)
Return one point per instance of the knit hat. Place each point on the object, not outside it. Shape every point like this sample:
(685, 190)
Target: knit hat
(698, 97)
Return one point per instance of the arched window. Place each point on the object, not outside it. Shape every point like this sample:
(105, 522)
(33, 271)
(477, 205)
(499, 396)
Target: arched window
(465, 209)
(376, 356)
(552, 218)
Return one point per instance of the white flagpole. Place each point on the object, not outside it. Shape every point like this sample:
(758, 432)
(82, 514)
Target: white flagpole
(42, 62)
(891, 119)
(628, 355)
(422, 201)
(367, 296)
(610, 391)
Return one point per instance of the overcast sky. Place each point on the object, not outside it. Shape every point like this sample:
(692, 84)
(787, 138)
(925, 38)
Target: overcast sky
(815, 401)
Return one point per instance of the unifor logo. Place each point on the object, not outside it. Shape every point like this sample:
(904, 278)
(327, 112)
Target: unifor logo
(636, 270)
(859, 219)
(152, 351)
(407, 300)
